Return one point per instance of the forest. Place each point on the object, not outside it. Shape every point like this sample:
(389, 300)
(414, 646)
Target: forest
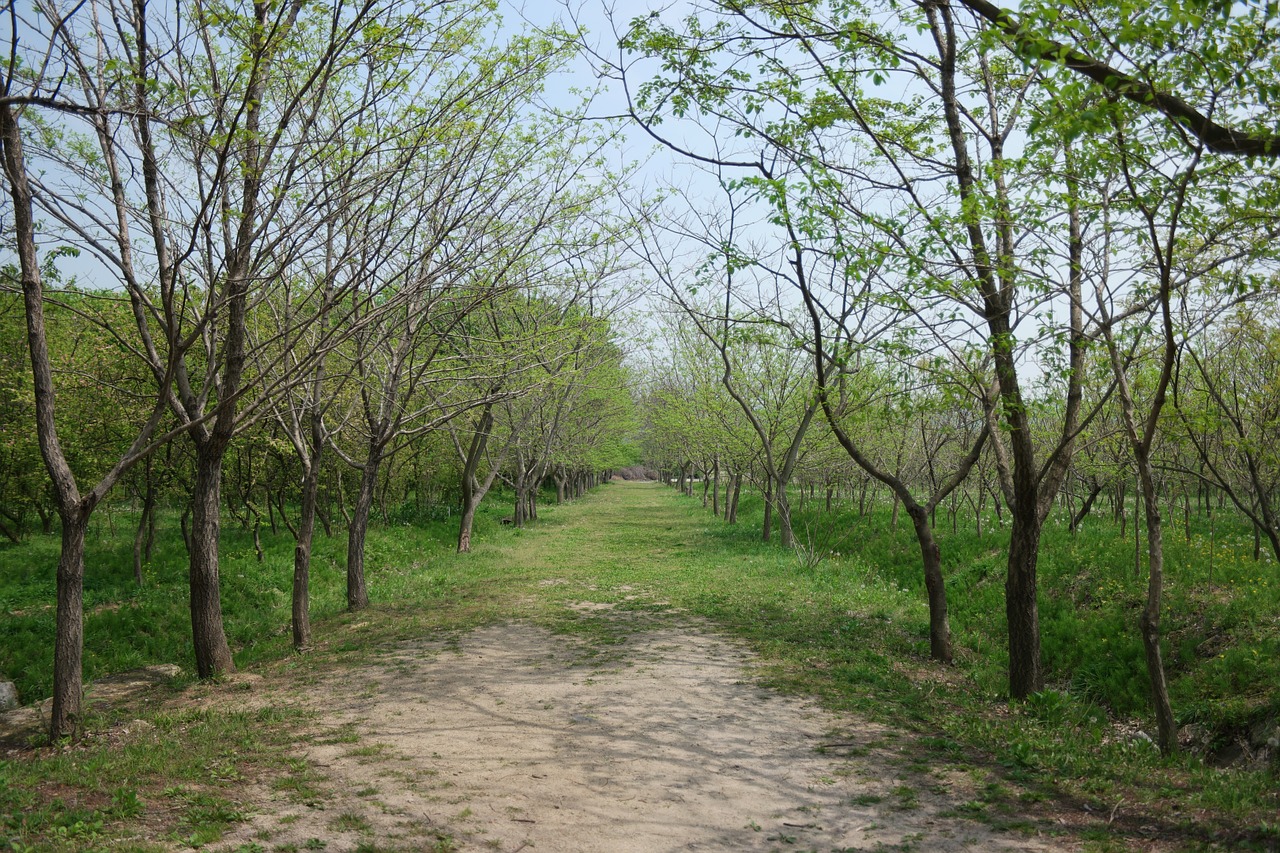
(977, 302)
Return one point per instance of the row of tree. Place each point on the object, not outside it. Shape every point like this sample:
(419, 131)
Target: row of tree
(967, 222)
(260, 243)
(1216, 444)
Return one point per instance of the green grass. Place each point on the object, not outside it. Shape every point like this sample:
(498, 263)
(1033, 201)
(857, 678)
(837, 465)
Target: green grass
(155, 618)
(186, 765)
(1222, 650)
(851, 630)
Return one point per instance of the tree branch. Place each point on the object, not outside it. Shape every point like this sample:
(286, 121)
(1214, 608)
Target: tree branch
(1216, 137)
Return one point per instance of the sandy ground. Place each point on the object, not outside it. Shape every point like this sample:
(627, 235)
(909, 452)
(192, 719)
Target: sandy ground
(517, 739)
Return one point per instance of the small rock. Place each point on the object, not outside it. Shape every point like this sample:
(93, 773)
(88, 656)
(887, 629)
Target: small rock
(8, 695)
(1141, 737)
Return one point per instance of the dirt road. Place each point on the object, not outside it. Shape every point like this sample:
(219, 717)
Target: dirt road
(514, 738)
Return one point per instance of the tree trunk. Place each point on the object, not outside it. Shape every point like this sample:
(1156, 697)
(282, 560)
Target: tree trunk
(284, 516)
(213, 655)
(1137, 536)
(785, 534)
(46, 519)
(472, 493)
(1021, 607)
(257, 533)
(523, 500)
(357, 591)
(737, 493)
(323, 509)
(12, 533)
(465, 525)
(930, 556)
(69, 632)
(149, 545)
(768, 510)
(1149, 622)
(184, 524)
(302, 552)
(1080, 516)
(145, 534)
(715, 487)
(68, 644)
(342, 500)
(1141, 438)
(272, 500)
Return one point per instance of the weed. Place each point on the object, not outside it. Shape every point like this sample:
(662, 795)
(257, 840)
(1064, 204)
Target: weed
(906, 798)
(371, 847)
(350, 822)
(443, 843)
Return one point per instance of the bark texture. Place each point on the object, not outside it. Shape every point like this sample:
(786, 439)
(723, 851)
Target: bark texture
(213, 655)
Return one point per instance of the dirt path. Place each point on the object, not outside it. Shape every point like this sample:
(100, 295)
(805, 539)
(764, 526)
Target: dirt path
(518, 739)
(639, 729)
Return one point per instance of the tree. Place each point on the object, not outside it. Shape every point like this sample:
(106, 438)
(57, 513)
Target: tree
(22, 91)
(230, 106)
(534, 343)
(758, 366)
